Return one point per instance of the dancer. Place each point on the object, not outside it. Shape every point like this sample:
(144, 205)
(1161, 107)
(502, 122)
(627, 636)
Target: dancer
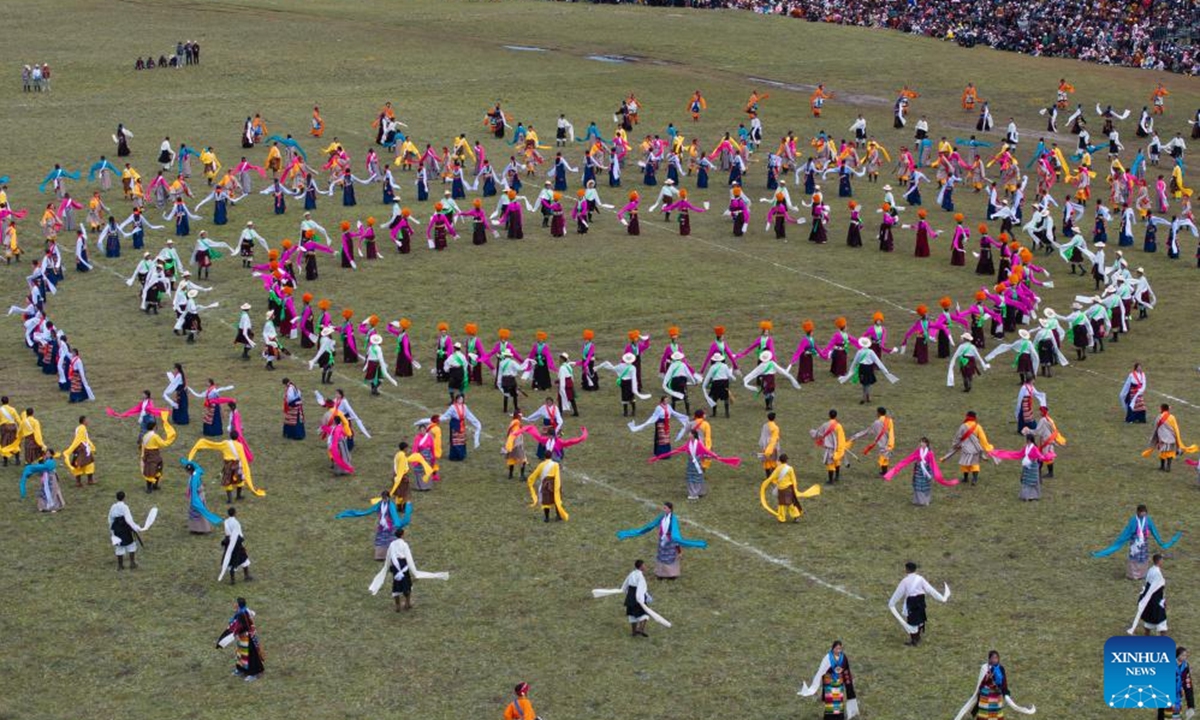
(545, 486)
(1136, 534)
(1152, 603)
(670, 542)
(399, 561)
(835, 683)
(883, 437)
(831, 438)
(782, 481)
(386, 509)
(1167, 440)
(912, 590)
(991, 693)
(80, 455)
(862, 369)
(971, 444)
(249, 648)
(125, 533)
(698, 456)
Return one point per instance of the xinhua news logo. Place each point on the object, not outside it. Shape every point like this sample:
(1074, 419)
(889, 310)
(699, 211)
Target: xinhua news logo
(1139, 672)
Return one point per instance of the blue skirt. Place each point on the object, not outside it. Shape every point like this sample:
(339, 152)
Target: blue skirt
(348, 195)
(280, 205)
(179, 415)
(489, 187)
(389, 196)
(139, 239)
(220, 212)
(702, 178)
(183, 227)
(112, 245)
(310, 200)
(216, 427)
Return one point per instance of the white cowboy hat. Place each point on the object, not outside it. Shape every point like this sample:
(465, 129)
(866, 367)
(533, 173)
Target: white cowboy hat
(145, 254)
(564, 356)
(327, 331)
(718, 357)
(249, 223)
(1099, 244)
(1049, 312)
(1141, 271)
(1023, 333)
(864, 343)
(967, 336)
(269, 314)
(170, 241)
(628, 358)
(887, 188)
(676, 355)
(376, 340)
(245, 306)
(764, 356)
(1076, 306)
(669, 182)
(458, 346)
(192, 293)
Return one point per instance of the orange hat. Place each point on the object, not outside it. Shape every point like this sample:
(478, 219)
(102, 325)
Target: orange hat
(323, 304)
(719, 330)
(477, 203)
(471, 328)
(766, 326)
(286, 244)
(511, 194)
(579, 192)
(272, 254)
(887, 207)
(922, 309)
(405, 323)
(877, 317)
(1014, 246)
(503, 333)
(958, 217)
(277, 273)
(851, 204)
(945, 302)
(634, 334)
(1026, 256)
(683, 192)
(405, 212)
(540, 335)
(778, 197)
(921, 213)
(345, 225)
(807, 326)
(307, 234)
(443, 327)
(982, 229)
(1000, 287)
(557, 196)
(737, 192)
(306, 297)
(371, 221)
(274, 264)
(816, 197)
(1014, 278)
(673, 331)
(438, 207)
(373, 320)
(588, 334)
(980, 296)
(840, 323)
(633, 195)
(1003, 237)
(287, 290)
(347, 313)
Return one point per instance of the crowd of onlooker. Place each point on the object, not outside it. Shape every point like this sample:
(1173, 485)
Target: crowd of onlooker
(1158, 34)
(186, 53)
(35, 78)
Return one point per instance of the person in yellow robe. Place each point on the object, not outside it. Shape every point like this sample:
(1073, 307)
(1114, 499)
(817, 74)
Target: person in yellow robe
(235, 472)
(768, 444)
(151, 447)
(545, 487)
(212, 165)
(788, 494)
(514, 445)
(80, 455)
(274, 162)
(703, 429)
(29, 437)
(10, 427)
(402, 463)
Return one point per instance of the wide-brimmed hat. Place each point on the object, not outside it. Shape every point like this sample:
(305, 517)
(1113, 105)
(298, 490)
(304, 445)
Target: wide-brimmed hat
(1023, 333)
(376, 340)
(245, 306)
(764, 356)
(718, 357)
(676, 355)
(864, 343)
(628, 358)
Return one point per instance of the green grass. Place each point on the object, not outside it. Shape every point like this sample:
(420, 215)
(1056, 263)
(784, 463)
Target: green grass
(83, 639)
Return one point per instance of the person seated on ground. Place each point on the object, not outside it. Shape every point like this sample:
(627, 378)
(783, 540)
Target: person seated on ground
(162, 61)
(140, 64)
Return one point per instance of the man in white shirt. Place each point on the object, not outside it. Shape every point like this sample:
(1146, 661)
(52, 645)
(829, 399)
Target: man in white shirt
(124, 532)
(636, 598)
(912, 590)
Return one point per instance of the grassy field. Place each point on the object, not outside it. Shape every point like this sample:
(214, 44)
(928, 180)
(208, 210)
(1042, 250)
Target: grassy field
(755, 610)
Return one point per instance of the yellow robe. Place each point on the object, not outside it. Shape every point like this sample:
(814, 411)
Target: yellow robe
(81, 438)
(548, 468)
(231, 450)
(153, 441)
(784, 478)
(400, 467)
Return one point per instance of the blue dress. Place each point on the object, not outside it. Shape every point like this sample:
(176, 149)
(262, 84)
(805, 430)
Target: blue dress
(489, 186)
(560, 177)
(112, 244)
(183, 227)
(220, 216)
(1151, 242)
(948, 200)
(649, 179)
(310, 198)
(348, 194)
(139, 238)
(389, 196)
(422, 190)
(702, 177)
(280, 203)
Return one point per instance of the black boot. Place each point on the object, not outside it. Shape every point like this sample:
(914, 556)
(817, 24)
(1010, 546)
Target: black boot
(545, 514)
(228, 496)
(149, 487)
(510, 471)
(120, 562)
(239, 493)
(830, 481)
(246, 574)
(133, 561)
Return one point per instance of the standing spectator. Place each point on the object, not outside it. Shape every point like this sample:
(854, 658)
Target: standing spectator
(46, 76)
(37, 77)
(196, 53)
(26, 79)
(187, 53)
(178, 54)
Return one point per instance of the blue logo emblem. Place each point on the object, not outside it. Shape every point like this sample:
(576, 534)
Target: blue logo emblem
(1139, 672)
